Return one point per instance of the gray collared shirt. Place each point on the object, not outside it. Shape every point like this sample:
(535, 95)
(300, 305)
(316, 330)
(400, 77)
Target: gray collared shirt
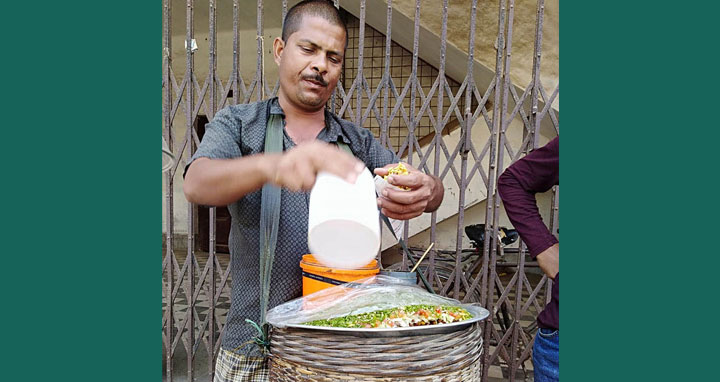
(238, 131)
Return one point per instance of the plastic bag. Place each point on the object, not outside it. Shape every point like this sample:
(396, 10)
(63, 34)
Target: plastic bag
(362, 296)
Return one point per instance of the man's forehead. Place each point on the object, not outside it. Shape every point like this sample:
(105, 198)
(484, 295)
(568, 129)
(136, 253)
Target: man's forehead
(315, 29)
(315, 21)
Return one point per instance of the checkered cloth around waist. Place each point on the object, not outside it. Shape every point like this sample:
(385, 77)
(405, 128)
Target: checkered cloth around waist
(233, 367)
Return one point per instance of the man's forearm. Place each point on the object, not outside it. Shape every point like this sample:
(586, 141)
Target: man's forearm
(219, 182)
(522, 210)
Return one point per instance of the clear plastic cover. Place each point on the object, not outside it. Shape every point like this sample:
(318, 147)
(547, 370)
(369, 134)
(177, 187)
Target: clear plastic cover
(362, 296)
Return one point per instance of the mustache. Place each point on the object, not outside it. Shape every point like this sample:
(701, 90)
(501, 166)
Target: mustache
(317, 78)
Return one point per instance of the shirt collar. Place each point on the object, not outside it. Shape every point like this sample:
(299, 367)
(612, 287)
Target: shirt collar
(332, 131)
(275, 106)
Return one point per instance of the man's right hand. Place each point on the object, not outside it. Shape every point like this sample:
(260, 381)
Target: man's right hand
(297, 168)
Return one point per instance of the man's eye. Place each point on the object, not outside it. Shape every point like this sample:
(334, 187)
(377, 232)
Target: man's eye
(335, 60)
(306, 49)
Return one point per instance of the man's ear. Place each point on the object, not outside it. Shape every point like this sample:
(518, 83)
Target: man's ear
(278, 47)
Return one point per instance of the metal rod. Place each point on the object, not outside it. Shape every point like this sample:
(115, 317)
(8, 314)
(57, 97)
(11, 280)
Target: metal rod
(190, 94)
(554, 227)
(333, 101)
(211, 260)
(384, 126)
(490, 205)
(169, 212)
(385, 83)
(260, 70)
(470, 121)
(551, 112)
(505, 123)
(236, 78)
(332, 96)
(411, 140)
(359, 75)
(548, 107)
(439, 125)
(212, 61)
(535, 122)
(461, 219)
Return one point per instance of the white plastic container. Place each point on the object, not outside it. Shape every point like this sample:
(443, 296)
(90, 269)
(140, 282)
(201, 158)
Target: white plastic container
(343, 225)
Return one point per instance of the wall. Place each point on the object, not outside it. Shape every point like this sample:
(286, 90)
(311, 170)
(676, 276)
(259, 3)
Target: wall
(523, 37)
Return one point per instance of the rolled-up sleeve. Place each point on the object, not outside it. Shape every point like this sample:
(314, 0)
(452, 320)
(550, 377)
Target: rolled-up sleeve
(222, 139)
(375, 154)
(536, 172)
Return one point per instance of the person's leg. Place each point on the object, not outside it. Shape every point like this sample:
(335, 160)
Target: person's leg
(546, 356)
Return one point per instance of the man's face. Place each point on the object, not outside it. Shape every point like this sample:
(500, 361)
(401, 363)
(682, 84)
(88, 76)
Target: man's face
(310, 62)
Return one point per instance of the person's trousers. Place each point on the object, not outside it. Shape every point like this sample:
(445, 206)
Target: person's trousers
(546, 355)
(233, 367)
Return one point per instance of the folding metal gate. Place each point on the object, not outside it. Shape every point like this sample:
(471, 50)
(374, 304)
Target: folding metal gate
(412, 106)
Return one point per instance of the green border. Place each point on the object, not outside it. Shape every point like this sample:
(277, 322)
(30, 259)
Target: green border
(640, 262)
(81, 202)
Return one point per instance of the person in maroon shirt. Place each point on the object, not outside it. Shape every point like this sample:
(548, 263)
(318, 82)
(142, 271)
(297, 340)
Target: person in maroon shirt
(538, 172)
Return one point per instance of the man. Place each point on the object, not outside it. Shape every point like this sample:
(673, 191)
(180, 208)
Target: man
(230, 167)
(538, 172)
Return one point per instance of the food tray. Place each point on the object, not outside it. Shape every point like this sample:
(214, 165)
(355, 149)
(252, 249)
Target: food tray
(478, 314)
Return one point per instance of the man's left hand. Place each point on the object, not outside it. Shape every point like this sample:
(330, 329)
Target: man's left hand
(424, 195)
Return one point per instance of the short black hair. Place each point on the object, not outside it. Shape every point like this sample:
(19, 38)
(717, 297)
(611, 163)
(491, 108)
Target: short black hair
(321, 8)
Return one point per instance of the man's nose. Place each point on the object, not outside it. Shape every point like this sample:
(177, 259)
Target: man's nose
(319, 64)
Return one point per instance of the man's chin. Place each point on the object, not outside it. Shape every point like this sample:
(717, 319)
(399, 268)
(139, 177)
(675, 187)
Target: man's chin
(312, 101)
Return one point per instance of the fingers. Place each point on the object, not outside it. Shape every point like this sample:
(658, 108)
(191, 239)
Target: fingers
(392, 209)
(340, 164)
(407, 197)
(305, 176)
(395, 216)
(413, 180)
(297, 168)
(299, 176)
(292, 172)
(337, 162)
(382, 171)
(288, 177)
(401, 211)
